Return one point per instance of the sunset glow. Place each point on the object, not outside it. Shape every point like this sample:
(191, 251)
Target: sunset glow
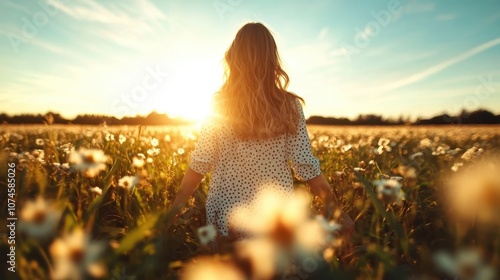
(89, 57)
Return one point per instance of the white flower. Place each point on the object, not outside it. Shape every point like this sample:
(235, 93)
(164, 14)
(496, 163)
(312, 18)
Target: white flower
(39, 142)
(38, 219)
(39, 155)
(425, 143)
(122, 138)
(75, 257)
(389, 190)
(441, 150)
(96, 190)
(180, 151)
(153, 151)
(91, 161)
(207, 234)
(346, 148)
(383, 145)
(456, 166)
(154, 142)
(128, 182)
(472, 153)
(465, 264)
(137, 162)
(109, 137)
(276, 216)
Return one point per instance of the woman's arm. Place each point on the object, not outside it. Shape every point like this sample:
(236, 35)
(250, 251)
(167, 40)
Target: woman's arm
(320, 186)
(189, 183)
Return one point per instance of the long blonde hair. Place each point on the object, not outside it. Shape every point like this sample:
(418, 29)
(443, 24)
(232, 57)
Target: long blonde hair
(253, 99)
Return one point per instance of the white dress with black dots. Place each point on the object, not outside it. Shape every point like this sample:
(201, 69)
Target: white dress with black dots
(241, 167)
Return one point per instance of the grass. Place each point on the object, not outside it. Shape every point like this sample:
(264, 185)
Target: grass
(137, 236)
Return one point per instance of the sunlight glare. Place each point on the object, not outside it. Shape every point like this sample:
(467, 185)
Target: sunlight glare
(190, 90)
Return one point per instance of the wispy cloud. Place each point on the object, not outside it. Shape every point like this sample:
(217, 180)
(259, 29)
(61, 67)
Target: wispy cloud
(414, 7)
(440, 66)
(445, 17)
(93, 11)
(128, 26)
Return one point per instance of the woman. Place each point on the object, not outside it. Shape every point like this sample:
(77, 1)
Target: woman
(257, 128)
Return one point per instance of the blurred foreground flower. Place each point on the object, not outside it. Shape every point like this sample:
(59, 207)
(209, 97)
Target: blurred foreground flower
(281, 231)
(473, 193)
(466, 264)
(389, 190)
(211, 268)
(75, 257)
(38, 219)
(90, 161)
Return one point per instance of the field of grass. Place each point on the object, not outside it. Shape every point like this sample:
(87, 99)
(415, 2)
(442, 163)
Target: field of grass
(92, 202)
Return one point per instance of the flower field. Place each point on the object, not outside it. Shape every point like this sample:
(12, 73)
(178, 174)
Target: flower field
(93, 203)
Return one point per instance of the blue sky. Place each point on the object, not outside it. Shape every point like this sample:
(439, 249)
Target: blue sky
(388, 57)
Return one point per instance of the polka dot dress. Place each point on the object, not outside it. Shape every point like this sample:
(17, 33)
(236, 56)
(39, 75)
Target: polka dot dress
(240, 168)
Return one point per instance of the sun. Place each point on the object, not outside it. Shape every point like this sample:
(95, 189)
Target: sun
(188, 91)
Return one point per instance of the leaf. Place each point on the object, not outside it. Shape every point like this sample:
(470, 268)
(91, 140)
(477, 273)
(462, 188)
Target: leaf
(137, 234)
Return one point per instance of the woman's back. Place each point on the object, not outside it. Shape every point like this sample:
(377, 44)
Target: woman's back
(241, 168)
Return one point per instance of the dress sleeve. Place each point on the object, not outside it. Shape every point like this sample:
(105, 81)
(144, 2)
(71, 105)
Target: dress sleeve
(304, 164)
(205, 155)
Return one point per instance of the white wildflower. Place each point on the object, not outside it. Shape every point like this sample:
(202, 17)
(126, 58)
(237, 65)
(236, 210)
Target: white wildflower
(207, 234)
(91, 161)
(38, 218)
(128, 182)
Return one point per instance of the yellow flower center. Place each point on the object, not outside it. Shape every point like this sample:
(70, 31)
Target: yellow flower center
(39, 217)
(76, 255)
(89, 158)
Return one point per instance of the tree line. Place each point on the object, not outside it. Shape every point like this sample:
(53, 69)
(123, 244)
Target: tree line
(476, 117)
(153, 118)
(480, 116)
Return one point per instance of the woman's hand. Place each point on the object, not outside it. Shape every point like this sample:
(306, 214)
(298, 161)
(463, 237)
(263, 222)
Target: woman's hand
(320, 186)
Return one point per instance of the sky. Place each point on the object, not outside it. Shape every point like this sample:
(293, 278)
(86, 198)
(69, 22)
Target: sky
(393, 58)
